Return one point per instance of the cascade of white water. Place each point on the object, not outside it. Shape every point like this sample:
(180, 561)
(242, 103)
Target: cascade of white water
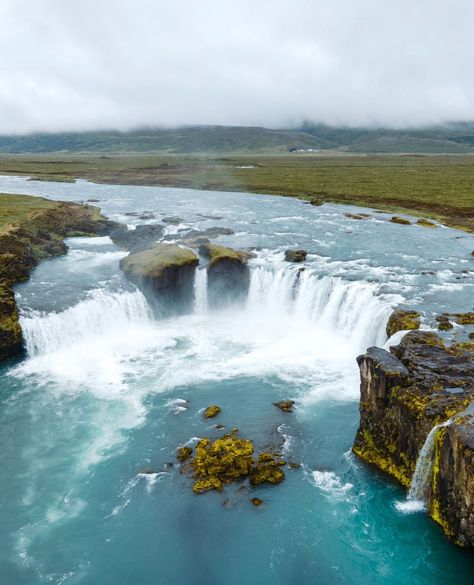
(101, 312)
(200, 291)
(419, 488)
(351, 309)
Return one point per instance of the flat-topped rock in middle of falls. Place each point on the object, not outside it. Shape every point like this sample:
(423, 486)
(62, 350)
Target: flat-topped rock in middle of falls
(165, 274)
(405, 393)
(227, 273)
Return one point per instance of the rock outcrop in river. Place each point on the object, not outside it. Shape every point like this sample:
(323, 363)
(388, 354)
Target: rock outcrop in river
(28, 238)
(405, 393)
(165, 274)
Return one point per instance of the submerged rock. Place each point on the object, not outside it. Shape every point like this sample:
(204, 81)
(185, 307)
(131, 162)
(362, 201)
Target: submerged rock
(228, 276)
(141, 238)
(295, 255)
(404, 394)
(400, 220)
(285, 405)
(165, 274)
(357, 215)
(267, 469)
(401, 320)
(426, 223)
(212, 411)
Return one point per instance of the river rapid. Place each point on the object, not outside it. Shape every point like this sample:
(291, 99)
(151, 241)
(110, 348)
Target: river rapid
(91, 417)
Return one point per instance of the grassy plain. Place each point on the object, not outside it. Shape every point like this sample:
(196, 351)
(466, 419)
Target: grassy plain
(435, 186)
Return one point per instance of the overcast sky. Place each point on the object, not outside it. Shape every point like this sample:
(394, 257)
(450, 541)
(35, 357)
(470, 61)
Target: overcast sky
(90, 64)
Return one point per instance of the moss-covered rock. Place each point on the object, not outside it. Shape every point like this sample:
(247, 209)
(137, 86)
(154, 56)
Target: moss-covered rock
(426, 223)
(211, 411)
(463, 318)
(404, 394)
(228, 275)
(165, 274)
(400, 220)
(444, 324)
(228, 459)
(184, 453)
(256, 502)
(285, 405)
(295, 255)
(401, 320)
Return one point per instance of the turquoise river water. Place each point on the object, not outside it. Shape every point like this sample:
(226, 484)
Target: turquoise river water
(91, 417)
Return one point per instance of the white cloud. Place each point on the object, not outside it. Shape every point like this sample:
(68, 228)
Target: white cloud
(123, 63)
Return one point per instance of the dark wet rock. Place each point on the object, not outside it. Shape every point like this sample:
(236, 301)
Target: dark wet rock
(228, 276)
(285, 405)
(211, 411)
(404, 394)
(165, 274)
(141, 238)
(357, 215)
(400, 220)
(471, 335)
(463, 318)
(173, 220)
(256, 502)
(427, 223)
(210, 233)
(219, 427)
(93, 200)
(295, 255)
(184, 453)
(146, 215)
(194, 242)
(401, 320)
(444, 324)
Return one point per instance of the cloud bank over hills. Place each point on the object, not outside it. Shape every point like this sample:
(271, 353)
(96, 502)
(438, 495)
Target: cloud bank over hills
(107, 64)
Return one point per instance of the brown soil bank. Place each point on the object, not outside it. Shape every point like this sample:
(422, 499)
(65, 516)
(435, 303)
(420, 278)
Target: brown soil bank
(405, 393)
(31, 229)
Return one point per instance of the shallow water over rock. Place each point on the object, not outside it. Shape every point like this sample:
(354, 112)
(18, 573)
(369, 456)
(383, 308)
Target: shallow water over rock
(92, 417)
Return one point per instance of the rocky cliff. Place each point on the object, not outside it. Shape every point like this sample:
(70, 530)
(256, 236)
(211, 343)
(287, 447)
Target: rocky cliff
(31, 229)
(404, 394)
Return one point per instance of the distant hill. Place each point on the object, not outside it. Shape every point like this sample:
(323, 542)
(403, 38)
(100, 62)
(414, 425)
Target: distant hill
(452, 138)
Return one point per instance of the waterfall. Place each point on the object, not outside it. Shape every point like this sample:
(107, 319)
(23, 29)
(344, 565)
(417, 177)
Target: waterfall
(200, 291)
(418, 494)
(420, 483)
(351, 309)
(102, 312)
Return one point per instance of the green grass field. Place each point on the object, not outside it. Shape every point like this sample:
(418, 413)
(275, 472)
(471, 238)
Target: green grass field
(440, 187)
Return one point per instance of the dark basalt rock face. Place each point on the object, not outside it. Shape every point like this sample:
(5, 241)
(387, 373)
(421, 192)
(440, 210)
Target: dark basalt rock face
(228, 276)
(165, 274)
(24, 245)
(404, 394)
(141, 238)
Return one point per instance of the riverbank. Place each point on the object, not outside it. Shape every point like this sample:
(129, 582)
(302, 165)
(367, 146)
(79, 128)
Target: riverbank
(437, 187)
(32, 229)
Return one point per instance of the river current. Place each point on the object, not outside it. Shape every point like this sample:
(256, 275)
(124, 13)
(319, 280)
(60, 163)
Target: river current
(91, 417)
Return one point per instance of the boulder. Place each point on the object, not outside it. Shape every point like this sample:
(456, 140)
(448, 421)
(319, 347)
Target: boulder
(165, 274)
(295, 255)
(405, 393)
(141, 238)
(401, 320)
(285, 405)
(400, 220)
(426, 223)
(228, 276)
(212, 411)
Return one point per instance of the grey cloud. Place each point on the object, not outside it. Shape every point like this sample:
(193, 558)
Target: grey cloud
(124, 63)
